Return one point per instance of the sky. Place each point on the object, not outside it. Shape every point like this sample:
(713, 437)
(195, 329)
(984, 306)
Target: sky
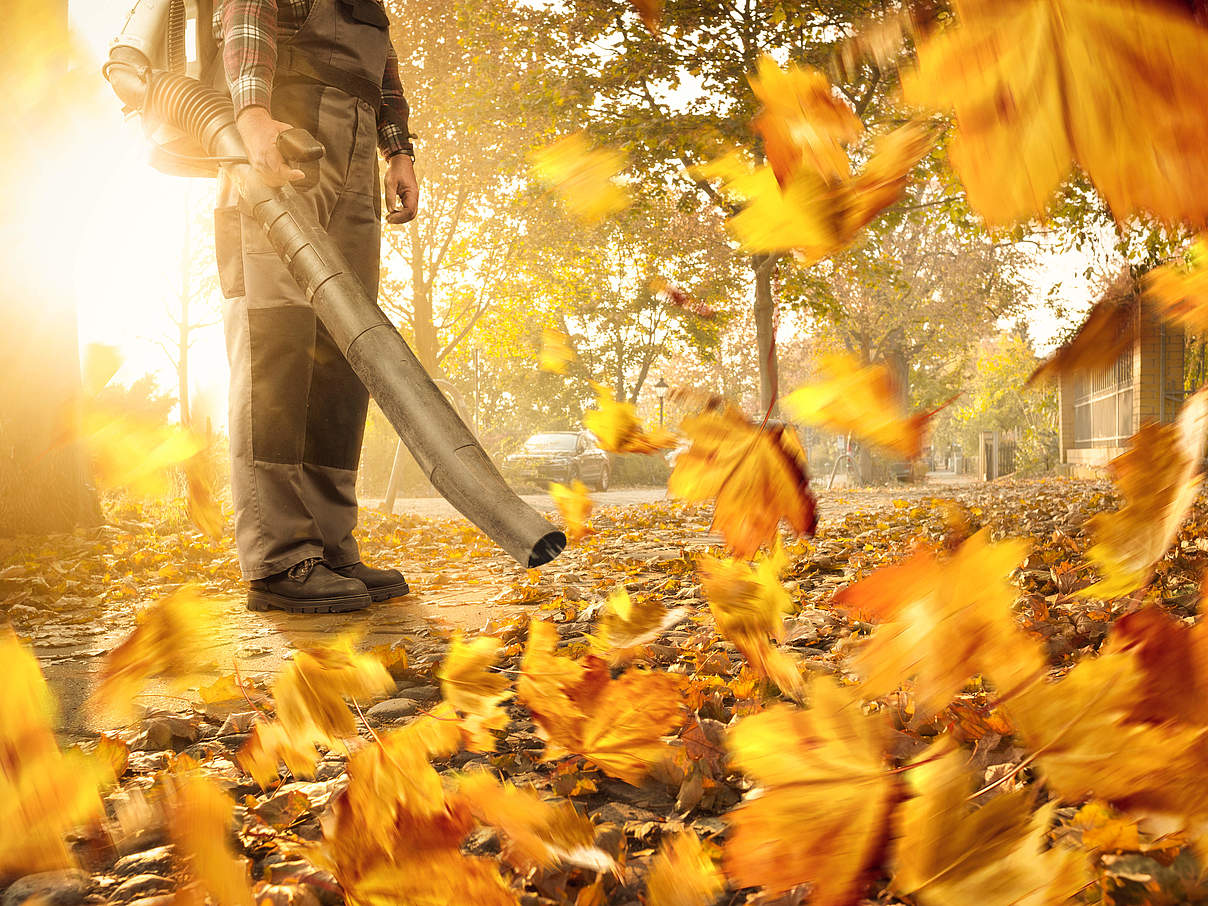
(127, 272)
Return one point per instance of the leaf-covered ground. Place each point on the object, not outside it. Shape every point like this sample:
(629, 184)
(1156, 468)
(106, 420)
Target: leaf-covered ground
(71, 597)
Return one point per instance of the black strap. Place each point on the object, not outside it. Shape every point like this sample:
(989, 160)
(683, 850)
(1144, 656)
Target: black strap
(293, 64)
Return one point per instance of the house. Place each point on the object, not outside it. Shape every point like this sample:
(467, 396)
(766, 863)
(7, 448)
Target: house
(1100, 409)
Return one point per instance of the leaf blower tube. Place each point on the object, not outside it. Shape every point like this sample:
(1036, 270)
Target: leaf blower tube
(438, 439)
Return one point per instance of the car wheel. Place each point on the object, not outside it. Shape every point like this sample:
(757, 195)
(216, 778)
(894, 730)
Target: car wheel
(602, 484)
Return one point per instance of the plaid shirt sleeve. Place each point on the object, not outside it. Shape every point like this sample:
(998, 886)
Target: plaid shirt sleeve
(249, 53)
(394, 136)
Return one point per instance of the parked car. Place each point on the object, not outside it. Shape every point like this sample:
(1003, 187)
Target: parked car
(561, 456)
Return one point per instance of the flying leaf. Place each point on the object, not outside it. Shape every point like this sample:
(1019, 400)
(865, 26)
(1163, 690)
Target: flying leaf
(537, 833)
(201, 473)
(950, 855)
(618, 725)
(681, 298)
(748, 604)
(824, 797)
(808, 215)
(802, 121)
(582, 177)
(478, 693)
(756, 476)
(863, 400)
(200, 821)
(1103, 337)
(44, 792)
(556, 353)
(575, 505)
(651, 12)
(169, 641)
(1181, 290)
(1173, 663)
(1159, 478)
(942, 621)
(1039, 86)
(617, 427)
(683, 873)
(627, 625)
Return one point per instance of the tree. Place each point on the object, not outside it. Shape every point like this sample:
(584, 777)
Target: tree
(42, 473)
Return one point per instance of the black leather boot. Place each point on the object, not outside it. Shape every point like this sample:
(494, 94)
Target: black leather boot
(383, 584)
(307, 587)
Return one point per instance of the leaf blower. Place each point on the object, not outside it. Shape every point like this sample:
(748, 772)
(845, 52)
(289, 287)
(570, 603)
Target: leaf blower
(157, 67)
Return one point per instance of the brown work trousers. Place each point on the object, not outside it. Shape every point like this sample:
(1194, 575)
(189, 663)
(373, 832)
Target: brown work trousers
(297, 409)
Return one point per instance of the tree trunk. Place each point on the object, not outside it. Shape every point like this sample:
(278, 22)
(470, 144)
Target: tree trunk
(765, 332)
(422, 324)
(42, 471)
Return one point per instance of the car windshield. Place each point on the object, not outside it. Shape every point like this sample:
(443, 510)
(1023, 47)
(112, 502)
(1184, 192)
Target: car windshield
(551, 443)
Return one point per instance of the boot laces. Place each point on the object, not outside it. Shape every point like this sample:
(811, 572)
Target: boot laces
(300, 572)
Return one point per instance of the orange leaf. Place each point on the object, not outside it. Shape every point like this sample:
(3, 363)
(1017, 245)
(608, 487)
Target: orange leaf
(862, 400)
(201, 825)
(757, 477)
(1182, 291)
(627, 625)
(582, 177)
(469, 685)
(651, 12)
(1106, 333)
(575, 505)
(683, 873)
(821, 814)
(616, 426)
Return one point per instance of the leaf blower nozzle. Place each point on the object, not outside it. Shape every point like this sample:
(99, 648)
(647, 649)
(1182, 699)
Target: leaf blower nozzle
(427, 423)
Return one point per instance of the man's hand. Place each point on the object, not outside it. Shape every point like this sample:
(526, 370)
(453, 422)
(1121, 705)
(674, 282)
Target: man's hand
(259, 132)
(402, 190)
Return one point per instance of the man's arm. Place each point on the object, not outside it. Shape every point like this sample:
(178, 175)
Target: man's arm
(249, 56)
(394, 139)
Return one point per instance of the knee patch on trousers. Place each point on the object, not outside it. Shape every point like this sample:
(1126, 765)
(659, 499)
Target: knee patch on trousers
(281, 341)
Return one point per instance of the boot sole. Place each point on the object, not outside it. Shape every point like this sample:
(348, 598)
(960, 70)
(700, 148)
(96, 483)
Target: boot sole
(260, 600)
(386, 592)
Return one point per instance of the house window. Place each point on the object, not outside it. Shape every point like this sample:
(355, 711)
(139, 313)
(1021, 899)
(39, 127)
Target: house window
(1103, 405)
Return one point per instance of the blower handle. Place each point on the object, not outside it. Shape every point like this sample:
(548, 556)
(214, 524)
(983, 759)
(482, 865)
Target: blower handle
(302, 151)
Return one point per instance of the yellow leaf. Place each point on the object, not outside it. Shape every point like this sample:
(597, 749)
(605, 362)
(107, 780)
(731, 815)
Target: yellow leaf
(478, 693)
(943, 621)
(617, 427)
(757, 477)
(1104, 830)
(683, 873)
(619, 725)
(1159, 478)
(862, 400)
(575, 505)
(556, 353)
(582, 177)
(949, 854)
(168, 642)
(824, 798)
(200, 826)
(1181, 291)
(44, 792)
(1039, 86)
(748, 605)
(626, 626)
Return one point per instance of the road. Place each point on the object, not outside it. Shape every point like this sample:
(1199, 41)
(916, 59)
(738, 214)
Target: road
(439, 508)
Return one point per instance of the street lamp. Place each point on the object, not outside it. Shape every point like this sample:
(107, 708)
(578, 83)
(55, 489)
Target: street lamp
(660, 390)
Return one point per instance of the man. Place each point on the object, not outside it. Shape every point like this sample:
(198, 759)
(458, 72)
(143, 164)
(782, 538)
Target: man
(297, 410)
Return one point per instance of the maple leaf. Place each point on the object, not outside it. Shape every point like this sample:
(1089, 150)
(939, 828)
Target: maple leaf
(167, 642)
(575, 505)
(582, 177)
(1039, 86)
(682, 873)
(618, 725)
(1159, 478)
(1102, 338)
(200, 822)
(556, 353)
(748, 604)
(803, 122)
(1181, 290)
(948, 854)
(863, 400)
(627, 625)
(44, 792)
(1104, 830)
(757, 477)
(651, 12)
(820, 816)
(469, 685)
(941, 622)
(808, 215)
(618, 429)
(537, 833)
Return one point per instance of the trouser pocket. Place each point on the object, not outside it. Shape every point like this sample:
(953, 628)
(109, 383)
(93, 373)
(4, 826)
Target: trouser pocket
(228, 248)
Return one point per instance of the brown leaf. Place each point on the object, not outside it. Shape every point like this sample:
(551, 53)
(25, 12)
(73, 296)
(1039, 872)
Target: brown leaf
(1103, 337)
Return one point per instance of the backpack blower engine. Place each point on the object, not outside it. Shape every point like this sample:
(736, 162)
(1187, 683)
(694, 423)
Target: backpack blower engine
(159, 66)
